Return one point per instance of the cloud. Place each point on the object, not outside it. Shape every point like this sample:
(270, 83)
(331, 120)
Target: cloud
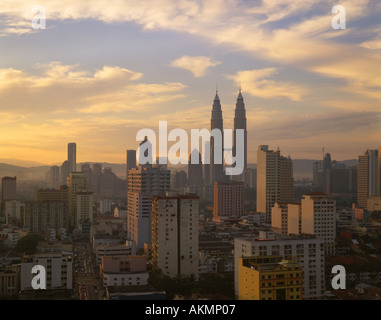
(197, 65)
(257, 84)
(333, 124)
(67, 89)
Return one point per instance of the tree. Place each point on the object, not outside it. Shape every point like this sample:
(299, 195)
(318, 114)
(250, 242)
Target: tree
(28, 243)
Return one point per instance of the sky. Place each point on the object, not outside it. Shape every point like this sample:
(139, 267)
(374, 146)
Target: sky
(103, 70)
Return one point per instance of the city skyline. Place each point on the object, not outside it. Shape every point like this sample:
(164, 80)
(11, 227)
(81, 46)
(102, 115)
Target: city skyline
(102, 71)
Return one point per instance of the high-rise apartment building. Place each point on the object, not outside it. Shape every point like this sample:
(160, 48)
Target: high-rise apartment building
(76, 183)
(49, 195)
(229, 200)
(275, 181)
(72, 156)
(367, 177)
(143, 183)
(318, 218)
(39, 215)
(175, 234)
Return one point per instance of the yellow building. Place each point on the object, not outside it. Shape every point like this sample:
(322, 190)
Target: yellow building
(269, 278)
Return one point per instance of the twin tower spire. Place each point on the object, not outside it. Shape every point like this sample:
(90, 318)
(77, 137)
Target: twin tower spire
(216, 170)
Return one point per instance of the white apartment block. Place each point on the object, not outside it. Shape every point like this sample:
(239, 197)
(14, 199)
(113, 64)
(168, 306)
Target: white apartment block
(143, 183)
(58, 264)
(175, 234)
(319, 218)
(307, 250)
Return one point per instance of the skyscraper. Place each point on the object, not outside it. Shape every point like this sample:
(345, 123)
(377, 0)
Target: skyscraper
(54, 177)
(8, 190)
(274, 180)
(72, 156)
(240, 123)
(143, 183)
(195, 170)
(65, 171)
(216, 169)
(367, 177)
(76, 183)
(131, 161)
(175, 234)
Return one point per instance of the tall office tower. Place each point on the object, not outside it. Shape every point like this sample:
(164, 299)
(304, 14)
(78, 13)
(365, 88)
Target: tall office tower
(286, 179)
(179, 179)
(65, 171)
(216, 169)
(206, 165)
(240, 123)
(76, 183)
(317, 180)
(229, 200)
(72, 156)
(308, 249)
(175, 234)
(274, 180)
(143, 183)
(130, 161)
(54, 177)
(318, 218)
(96, 178)
(8, 191)
(195, 170)
(367, 176)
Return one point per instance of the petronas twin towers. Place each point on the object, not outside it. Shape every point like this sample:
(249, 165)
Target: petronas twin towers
(216, 171)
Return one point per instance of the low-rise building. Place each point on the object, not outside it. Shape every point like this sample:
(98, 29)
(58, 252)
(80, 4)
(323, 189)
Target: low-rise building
(269, 278)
